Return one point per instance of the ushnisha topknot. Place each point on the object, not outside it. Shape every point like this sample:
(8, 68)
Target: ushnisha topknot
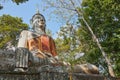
(37, 15)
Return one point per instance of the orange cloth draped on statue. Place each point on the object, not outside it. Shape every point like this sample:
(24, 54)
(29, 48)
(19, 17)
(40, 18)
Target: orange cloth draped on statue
(43, 43)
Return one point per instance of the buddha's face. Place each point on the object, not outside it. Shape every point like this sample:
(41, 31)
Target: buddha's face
(39, 24)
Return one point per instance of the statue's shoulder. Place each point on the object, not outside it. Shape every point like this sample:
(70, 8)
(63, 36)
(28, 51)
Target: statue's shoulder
(25, 32)
(30, 34)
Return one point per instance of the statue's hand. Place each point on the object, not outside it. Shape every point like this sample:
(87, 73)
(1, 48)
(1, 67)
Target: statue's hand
(56, 58)
(34, 52)
(38, 53)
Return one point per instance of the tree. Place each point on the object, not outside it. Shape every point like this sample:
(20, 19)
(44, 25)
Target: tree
(15, 1)
(102, 20)
(68, 45)
(49, 32)
(10, 28)
(105, 24)
(19, 1)
(1, 6)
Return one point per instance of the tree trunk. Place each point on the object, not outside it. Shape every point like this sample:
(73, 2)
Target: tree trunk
(111, 72)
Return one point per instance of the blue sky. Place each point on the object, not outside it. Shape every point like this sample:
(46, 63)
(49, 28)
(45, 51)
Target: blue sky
(27, 10)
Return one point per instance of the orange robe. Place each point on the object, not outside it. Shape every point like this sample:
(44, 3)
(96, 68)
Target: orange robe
(43, 43)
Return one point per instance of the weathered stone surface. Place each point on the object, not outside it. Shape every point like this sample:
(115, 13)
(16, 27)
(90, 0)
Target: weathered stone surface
(7, 60)
(86, 68)
(51, 75)
(7, 65)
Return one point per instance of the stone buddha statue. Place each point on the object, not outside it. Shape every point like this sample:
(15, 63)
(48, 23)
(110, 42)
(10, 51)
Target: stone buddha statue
(34, 45)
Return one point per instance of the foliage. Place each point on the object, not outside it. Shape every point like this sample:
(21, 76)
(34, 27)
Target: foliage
(103, 17)
(1, 6)
(63, 10)
(15, 1)
(10, 28)
(49, 32)
(68, 45)
(19, 1)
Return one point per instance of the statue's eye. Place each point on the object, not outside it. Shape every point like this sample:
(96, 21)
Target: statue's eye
(38, 21)
(41, 20)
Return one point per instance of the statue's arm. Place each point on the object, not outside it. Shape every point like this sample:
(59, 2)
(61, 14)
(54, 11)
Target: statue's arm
(53, 48)
(23, 39)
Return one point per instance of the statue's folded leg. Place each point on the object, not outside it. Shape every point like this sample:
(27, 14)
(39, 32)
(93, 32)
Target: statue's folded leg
(22, 57)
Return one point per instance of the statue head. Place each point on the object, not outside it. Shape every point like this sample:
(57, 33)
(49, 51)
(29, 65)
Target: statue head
(38, 23)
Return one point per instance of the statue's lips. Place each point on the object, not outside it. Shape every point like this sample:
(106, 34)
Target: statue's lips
(39, 29)
(41, 24)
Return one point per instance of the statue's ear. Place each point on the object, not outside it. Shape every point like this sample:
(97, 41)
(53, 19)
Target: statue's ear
(31, 21)
(44, 29)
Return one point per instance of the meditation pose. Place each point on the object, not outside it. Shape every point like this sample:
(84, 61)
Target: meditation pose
(34, 45)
